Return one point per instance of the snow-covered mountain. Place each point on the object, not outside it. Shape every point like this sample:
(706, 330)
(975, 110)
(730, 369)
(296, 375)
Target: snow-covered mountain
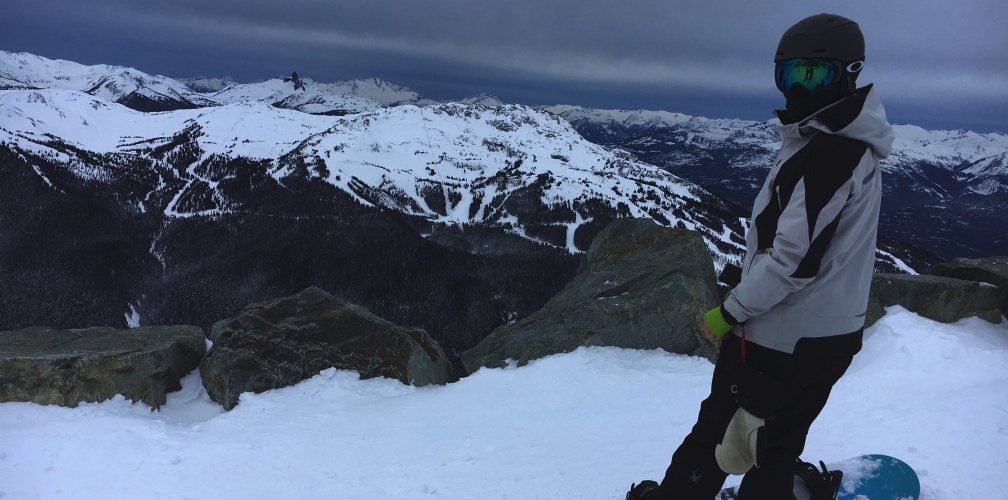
(978, 163)
(455, 218)
(482, 100)
(117, 84)
(143, 92)
(309, 97)
(448, 163)
(452, 217)
(931, 178)
(373, 89)
(208, 85)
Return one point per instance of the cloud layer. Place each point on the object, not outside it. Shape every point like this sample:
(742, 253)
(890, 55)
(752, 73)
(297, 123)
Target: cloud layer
(920, 53)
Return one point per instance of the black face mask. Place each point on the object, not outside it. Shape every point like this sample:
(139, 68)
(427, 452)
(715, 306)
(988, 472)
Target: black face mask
(802, 103)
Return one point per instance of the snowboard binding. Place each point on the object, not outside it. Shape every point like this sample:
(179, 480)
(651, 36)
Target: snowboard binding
(822, 485)
(637, 491)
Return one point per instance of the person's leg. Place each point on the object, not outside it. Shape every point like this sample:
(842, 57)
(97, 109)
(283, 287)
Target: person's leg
(693, 472)
(786, 436)
(814, 374)
(812, 371)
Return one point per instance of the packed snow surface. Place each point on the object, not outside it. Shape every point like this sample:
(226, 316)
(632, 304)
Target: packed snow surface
(581, 425)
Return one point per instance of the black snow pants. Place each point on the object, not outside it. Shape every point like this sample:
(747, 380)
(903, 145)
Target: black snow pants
(807, 376)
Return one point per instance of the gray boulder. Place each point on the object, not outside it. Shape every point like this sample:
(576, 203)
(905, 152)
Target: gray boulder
(640, 286)
(875, 310)
(281, 342)
(67, 367)
(993, 270)
(945, 300)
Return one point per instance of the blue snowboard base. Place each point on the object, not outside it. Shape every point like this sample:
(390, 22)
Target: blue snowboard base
(868, 477)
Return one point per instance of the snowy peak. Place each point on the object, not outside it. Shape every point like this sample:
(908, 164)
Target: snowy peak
(978, 162)
(482, 100)
(504, 166)
(125, 86)
(32, 118)
(658, 129)
(932, 176)
(372, 89)
(625, 118)
(445, 163)
(476, 156)
(307, 97)
(206, 85)
(144, 92)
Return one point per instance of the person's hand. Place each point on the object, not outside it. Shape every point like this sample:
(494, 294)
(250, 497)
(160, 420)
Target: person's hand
(715, 325)
(709, 335)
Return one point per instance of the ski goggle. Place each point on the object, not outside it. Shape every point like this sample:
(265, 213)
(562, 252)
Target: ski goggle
(809, 73)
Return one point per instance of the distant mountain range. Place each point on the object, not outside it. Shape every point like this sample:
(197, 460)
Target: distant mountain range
(446, 164)
(126, 86)
(450, 216)
(946, 191)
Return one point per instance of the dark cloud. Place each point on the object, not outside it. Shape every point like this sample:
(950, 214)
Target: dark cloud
(928, 57)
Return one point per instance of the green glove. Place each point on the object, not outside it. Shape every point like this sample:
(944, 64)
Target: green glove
(716, 323)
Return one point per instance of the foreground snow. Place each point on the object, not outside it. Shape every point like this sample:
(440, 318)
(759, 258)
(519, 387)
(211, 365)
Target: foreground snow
(578, 425)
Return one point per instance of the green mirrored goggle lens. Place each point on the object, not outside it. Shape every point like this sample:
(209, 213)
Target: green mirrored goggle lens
(809, 73)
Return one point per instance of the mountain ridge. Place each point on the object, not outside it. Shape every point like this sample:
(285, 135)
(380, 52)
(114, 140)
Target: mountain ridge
(930, 178)
(453, 217)
(119, 84)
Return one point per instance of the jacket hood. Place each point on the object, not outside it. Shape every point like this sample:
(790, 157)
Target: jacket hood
(860, 117)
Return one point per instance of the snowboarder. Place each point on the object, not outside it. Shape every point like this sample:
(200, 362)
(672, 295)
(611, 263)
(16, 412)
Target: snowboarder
(791, 326)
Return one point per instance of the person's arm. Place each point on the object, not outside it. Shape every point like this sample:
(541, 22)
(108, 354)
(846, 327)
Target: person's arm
(805, 229)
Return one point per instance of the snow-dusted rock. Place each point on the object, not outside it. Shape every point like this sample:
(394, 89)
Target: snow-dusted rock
(641, 286)
(993, 270)
(938, 298)
(68, 367)
(281, 342)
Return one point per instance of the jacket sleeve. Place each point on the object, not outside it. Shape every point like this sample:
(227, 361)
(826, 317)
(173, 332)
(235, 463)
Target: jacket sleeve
(804, 231)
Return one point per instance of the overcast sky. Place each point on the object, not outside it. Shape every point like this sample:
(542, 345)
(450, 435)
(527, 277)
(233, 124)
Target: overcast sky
(938, 64)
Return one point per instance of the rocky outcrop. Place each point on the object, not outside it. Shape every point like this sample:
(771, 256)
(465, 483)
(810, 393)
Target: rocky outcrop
(993, 270)
(640, 286)
(946, 300)
(67, 367)
(875, 310)
(280, 342)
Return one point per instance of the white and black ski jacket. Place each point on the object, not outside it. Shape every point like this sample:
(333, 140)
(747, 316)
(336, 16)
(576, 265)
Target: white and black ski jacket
(810, 249)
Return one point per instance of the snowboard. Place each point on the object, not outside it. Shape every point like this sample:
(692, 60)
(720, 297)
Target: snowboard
(868, 477)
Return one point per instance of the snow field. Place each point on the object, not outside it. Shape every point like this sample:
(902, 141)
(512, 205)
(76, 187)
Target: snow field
(581, 425)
